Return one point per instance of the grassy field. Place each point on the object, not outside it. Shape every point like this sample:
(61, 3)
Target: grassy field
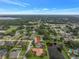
(35, 57)
(65, 53)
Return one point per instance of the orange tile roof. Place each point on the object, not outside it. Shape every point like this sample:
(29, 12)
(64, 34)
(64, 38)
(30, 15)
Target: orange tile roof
(39, 51)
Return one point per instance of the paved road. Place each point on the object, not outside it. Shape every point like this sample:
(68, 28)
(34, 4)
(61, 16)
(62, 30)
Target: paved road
(54, 53)
(28, 49)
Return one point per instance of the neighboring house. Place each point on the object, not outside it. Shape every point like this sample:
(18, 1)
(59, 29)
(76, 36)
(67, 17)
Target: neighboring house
(21, 43)
(2, 27)
(2, 43)
(14, 54)
(9, 43)
(3, 52)
(37, 39)
(74, 51)
(1, 35)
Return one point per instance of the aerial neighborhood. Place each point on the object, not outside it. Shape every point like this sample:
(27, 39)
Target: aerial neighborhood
(39, 40)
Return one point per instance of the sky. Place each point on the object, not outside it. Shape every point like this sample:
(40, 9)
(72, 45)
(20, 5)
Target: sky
(39, 7)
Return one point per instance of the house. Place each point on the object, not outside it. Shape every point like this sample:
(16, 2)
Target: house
(21, 43)
(37, 39)
(2, 27)
(2, 43)
(74, 51)
(38, 51)
(14, 54)
(10, 43)
(3, 52)
(1, 35)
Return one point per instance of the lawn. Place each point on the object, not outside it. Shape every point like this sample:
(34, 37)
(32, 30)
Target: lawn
(35, 57)
(65, 53)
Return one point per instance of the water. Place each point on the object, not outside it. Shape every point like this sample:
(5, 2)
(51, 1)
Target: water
(7, 18)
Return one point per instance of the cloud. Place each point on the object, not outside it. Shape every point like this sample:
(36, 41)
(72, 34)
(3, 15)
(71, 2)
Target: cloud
(68, 11)
(22, 4)
(45, 9)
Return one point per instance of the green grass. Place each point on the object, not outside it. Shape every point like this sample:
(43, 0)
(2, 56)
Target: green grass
(65, 53)
(47, 50)
(35, 57)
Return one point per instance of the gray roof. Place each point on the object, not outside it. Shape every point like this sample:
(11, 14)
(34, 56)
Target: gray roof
(3, 52)
(2, 43)
(14, 54)
(54, 53)
(9, 43)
